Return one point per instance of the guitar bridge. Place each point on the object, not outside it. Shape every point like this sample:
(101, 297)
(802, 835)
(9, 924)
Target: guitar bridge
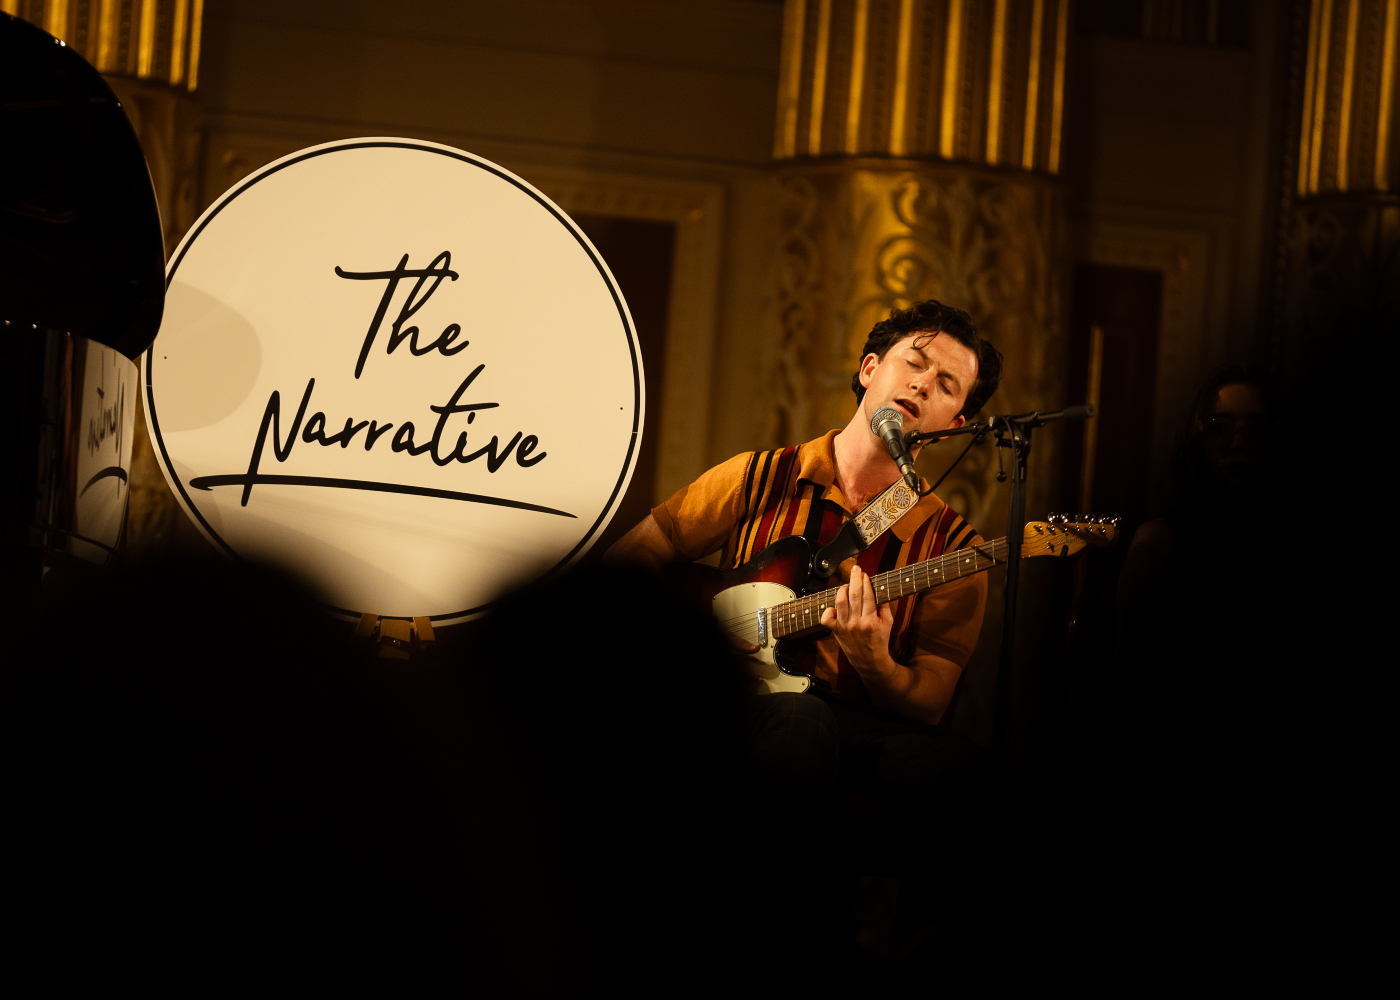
(762, 627)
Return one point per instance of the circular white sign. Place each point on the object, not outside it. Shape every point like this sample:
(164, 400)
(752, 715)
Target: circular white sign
(398, 371)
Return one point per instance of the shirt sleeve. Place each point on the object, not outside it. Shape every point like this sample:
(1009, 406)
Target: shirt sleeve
(948, 619)
(698, 518)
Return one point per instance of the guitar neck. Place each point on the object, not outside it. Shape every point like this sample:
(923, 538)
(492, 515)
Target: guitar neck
(805, 612)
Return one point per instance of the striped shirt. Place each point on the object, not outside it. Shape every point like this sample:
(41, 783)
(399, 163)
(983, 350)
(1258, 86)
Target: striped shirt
(751, 501)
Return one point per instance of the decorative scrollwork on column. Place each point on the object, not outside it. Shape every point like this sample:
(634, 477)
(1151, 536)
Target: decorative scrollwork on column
(801, 278)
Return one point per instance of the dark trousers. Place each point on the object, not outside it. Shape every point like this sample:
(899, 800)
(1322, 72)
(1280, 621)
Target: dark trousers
(880, 783)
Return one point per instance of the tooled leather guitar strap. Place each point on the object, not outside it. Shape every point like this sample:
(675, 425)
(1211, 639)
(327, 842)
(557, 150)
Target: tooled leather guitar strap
(857, 534)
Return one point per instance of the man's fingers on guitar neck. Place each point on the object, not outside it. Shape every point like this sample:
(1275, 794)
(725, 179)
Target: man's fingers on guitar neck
(862, 597)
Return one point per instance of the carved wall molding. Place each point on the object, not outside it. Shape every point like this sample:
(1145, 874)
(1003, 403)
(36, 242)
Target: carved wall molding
(1343, 276)
(1184, 258)
(696, 209)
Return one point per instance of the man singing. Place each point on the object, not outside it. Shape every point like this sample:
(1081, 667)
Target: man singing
(889, 670)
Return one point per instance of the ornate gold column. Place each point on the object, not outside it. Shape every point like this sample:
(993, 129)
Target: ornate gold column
(918, 143)
(148, 50)
(1339, 263)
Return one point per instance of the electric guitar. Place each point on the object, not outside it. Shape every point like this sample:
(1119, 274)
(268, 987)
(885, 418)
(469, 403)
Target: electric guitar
(772, 598)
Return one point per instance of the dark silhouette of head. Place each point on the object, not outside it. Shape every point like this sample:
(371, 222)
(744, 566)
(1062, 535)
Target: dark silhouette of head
(1227, 446)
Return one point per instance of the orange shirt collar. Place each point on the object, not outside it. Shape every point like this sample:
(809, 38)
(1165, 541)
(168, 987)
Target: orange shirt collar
(818, 465)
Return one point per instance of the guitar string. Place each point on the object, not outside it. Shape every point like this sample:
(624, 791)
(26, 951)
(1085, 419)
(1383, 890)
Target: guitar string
(780, 615)
(925, 569)
(783, 614)
(780, 623)
(806, 602)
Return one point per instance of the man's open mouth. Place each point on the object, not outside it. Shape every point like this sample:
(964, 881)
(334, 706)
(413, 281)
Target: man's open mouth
(910, 408)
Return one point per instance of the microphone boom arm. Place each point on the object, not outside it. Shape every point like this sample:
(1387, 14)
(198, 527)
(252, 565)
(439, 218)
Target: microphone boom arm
(1035, 418)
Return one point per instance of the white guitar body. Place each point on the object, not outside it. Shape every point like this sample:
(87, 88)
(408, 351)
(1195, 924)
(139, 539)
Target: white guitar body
(745, 606)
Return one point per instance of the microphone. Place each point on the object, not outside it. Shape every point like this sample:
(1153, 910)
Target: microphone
(888, 425)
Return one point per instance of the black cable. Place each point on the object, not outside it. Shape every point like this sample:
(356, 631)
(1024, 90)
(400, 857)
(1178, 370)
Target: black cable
(975, 438)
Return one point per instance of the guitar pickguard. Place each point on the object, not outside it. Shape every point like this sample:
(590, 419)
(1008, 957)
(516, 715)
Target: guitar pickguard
(737, 609)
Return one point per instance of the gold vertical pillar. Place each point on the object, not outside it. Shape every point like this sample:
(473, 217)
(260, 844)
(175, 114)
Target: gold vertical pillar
(970, 80)
(917, 145)
(145, 39)
(1339, 271)
(1347, 139)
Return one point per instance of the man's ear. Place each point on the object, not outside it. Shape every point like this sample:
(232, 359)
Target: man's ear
(867, 369)
(958, 421)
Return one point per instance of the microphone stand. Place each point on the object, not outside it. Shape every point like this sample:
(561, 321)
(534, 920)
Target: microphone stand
(1012, 432)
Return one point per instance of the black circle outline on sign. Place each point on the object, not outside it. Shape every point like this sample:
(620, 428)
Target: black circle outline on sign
(490, 168)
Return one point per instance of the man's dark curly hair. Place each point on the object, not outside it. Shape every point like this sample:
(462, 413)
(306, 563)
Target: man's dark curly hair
(933, 318)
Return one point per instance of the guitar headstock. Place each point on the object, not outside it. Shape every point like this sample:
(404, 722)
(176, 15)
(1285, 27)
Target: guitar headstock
(1061, 536)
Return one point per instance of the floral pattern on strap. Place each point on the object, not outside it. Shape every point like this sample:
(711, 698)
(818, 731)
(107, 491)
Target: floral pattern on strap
(887, 508)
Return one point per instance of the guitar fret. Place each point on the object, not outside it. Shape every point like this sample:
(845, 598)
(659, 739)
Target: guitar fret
(805, 612)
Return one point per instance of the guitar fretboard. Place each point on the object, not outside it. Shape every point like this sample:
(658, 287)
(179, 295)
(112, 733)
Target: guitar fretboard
(806, 612)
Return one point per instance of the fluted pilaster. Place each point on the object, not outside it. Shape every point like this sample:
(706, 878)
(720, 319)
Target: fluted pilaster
(155, 40)
(1348, 134)
(1339, 264)
(979, 81)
